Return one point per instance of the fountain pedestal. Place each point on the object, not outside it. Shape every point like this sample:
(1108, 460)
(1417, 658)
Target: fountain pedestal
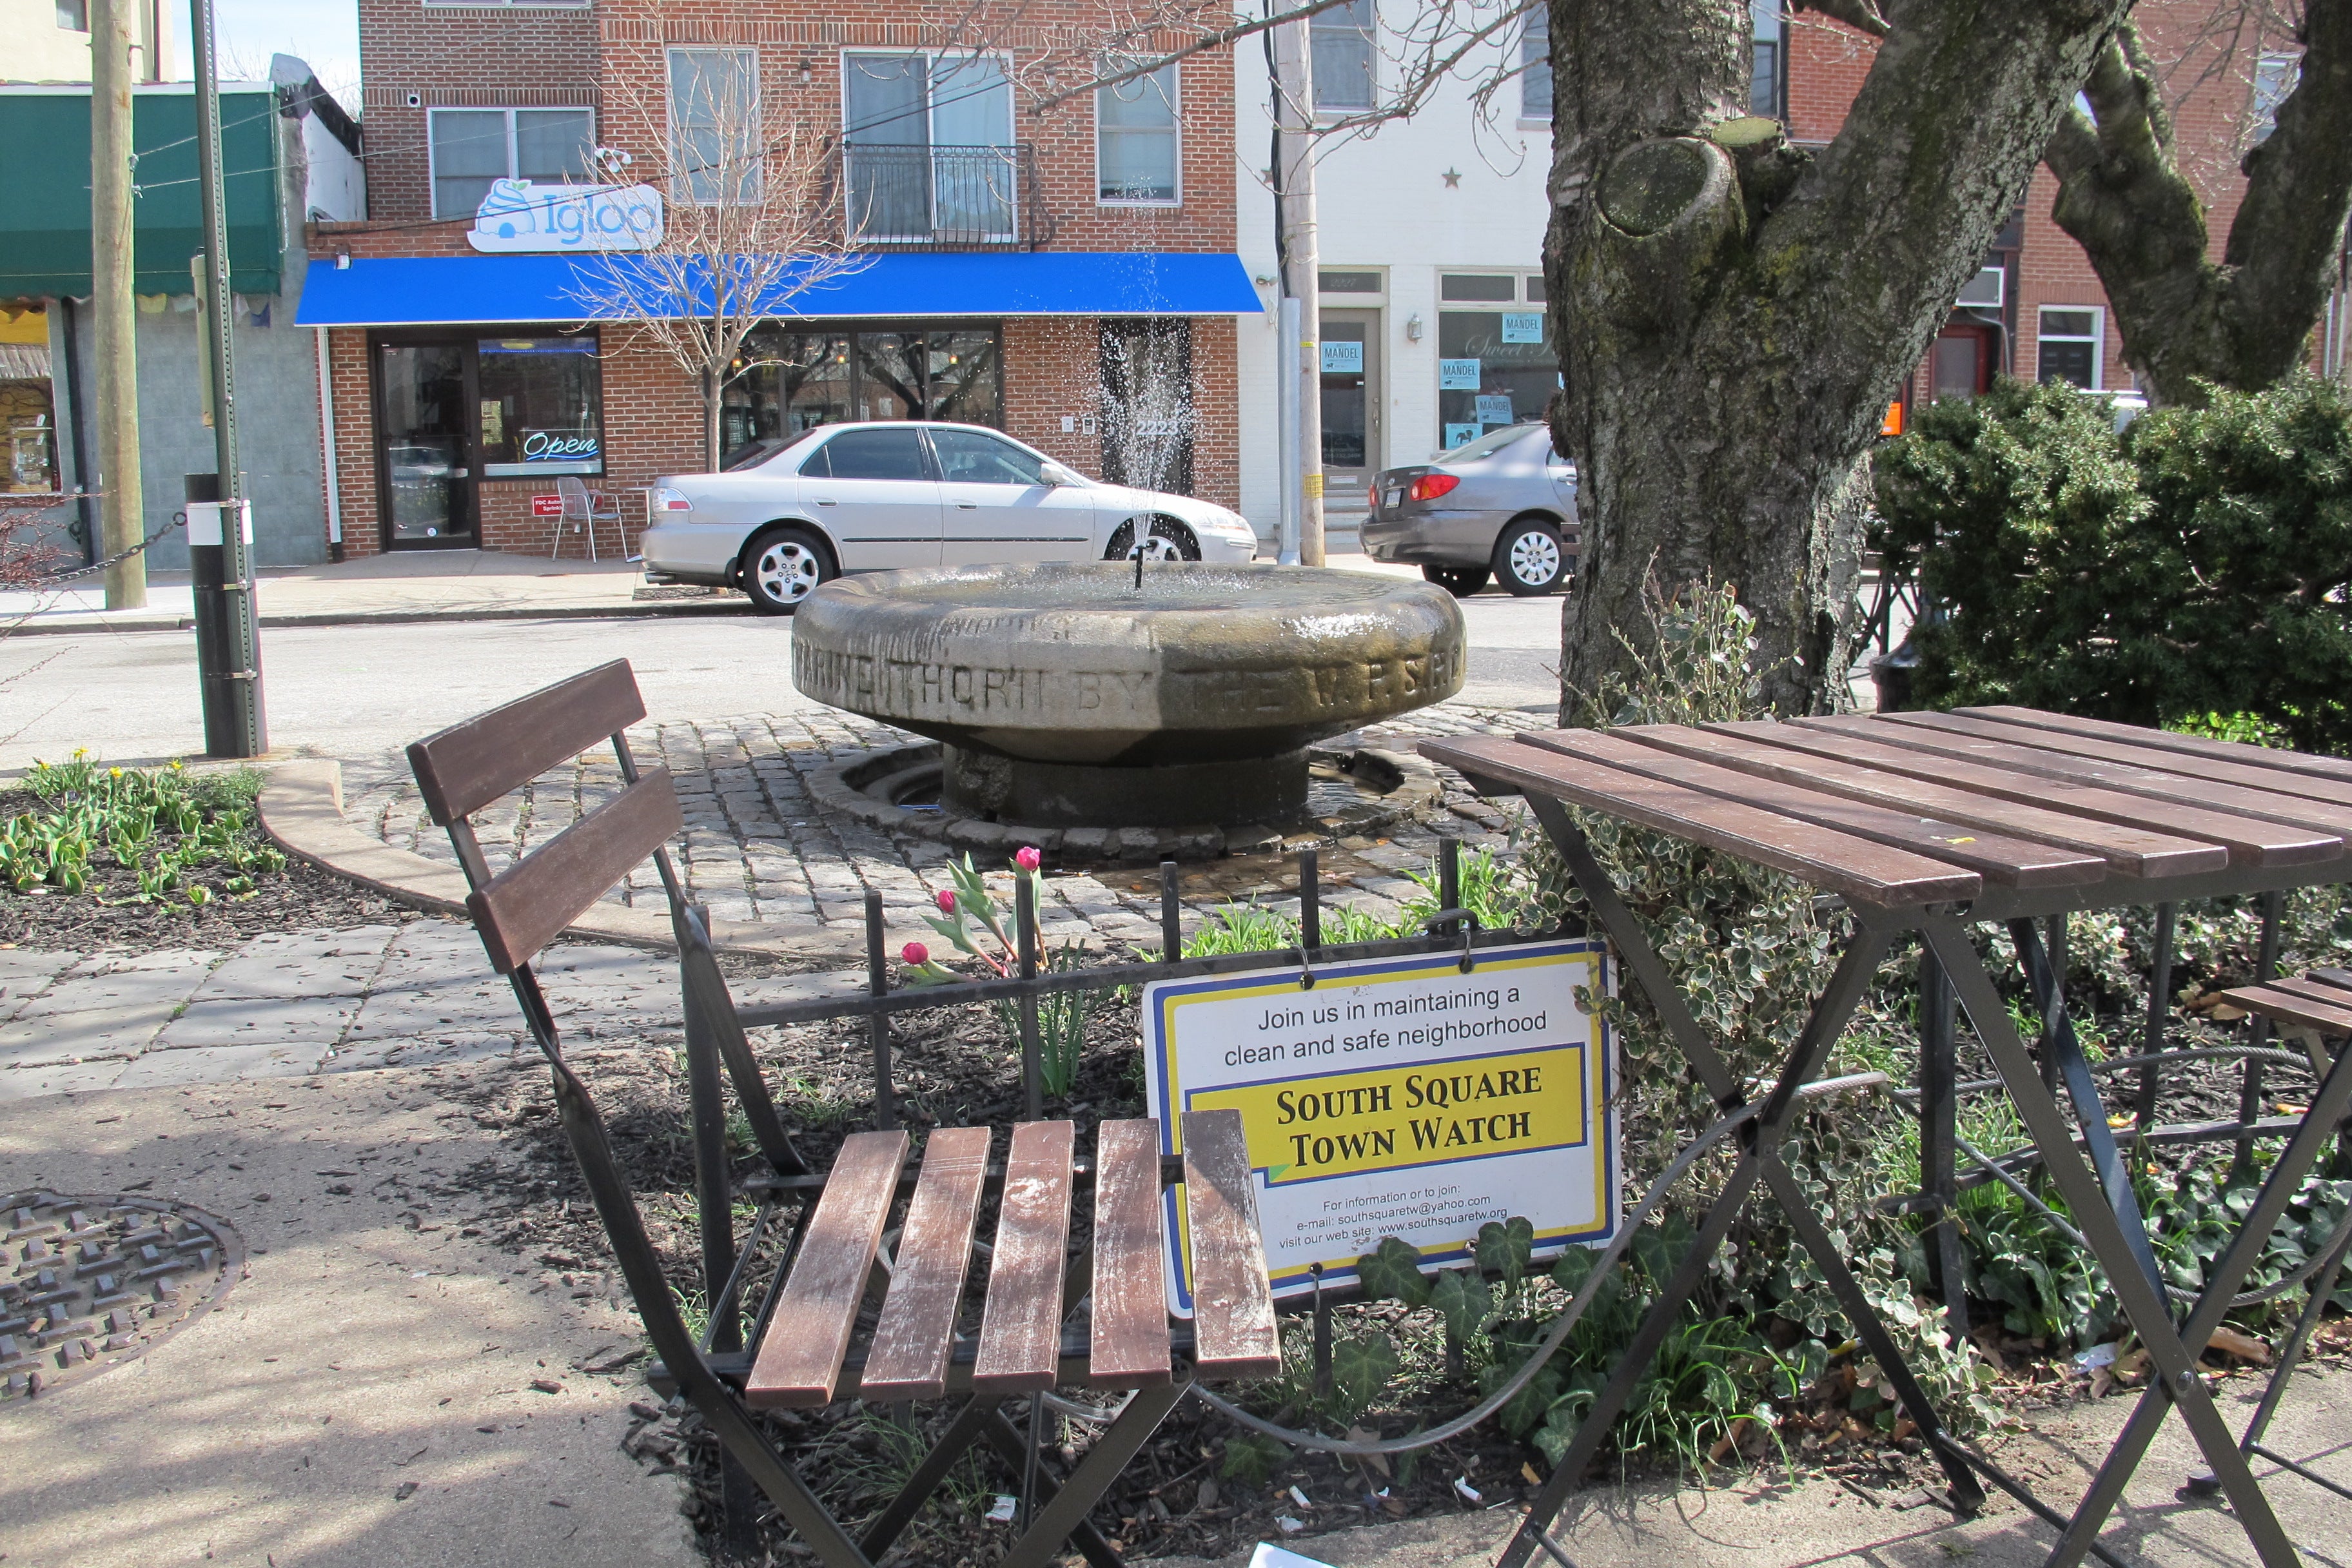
(1066, 696)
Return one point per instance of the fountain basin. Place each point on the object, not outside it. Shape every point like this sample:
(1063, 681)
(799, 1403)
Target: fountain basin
(1066, 696)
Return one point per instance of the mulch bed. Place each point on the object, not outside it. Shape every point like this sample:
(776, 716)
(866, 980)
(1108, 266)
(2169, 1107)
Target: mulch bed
(106, 914)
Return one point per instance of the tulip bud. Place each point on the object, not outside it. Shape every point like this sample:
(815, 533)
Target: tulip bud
(1028, 858)
(916, 955)
(947, 901)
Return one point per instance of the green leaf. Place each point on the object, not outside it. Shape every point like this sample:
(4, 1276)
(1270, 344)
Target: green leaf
(1465, 1298)
(1504, 1247)
(1574, 1267)
(1391, 1271)
(1252, 1460)
(1360, 1366)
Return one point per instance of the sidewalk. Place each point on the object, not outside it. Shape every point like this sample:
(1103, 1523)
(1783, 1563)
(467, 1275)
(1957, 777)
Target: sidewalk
(409, 586)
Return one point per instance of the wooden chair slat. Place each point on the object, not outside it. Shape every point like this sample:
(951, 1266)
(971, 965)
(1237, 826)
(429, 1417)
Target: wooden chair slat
(2341, 979)
(799, 1363)
(1130, 1332)
(1233, 1333)
(2248, 842)
(2288, 1007)
(2337, 768)
(2132, 851)
(2013, 862)
(1021, 1326)
(1838, 862)
(2148, 774)
(908, 1357)
(467, 766)
(524, 908)
(2142, 755)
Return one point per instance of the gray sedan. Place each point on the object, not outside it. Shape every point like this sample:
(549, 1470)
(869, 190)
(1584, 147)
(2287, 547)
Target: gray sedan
(1500, 507)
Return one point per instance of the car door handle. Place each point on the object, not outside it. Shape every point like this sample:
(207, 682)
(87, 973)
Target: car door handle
(966, 506)
(825, 500)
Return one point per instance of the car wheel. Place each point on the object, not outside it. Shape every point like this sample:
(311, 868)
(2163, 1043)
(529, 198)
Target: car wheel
(1530, 559)
(1459, 581)
(1167, 541)
(783, 566)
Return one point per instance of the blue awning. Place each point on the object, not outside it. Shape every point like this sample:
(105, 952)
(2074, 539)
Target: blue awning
(426, 290)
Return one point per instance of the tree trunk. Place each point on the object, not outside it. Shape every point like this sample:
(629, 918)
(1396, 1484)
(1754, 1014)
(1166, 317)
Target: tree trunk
(2247, 321)
(1734, 313)
(713, 389)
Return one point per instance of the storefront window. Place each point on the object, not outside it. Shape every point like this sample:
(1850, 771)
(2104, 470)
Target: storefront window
(796, 381)
(29, 423)
(542, 407)
(1493, 368)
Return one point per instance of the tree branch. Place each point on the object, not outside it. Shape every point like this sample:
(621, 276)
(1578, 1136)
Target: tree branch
(1861, 15)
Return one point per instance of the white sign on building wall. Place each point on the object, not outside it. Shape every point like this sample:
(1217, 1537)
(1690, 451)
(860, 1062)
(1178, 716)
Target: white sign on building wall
(518, 216)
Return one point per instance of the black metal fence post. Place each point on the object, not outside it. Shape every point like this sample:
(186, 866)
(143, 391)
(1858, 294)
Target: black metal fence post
(878, 1027)
(1310, 902)
(1033, 1064)
(1172, 914)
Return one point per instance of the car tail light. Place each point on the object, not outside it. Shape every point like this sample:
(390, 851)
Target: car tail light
(1429, 487)
(664, 499)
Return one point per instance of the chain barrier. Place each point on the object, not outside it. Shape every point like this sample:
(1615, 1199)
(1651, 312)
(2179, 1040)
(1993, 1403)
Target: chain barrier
(177, 519)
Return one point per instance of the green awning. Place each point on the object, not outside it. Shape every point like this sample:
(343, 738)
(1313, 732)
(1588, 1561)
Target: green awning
(45, 222)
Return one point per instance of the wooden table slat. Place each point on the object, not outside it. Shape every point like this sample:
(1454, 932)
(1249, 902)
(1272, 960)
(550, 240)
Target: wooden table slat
(799, 1357)
(2248, 841)
(2286, 1006)
(2145, 753)
(1021, 1326)
(2194, 746)
(1128, 1337)
(908, 1358)
(2148, 773)
(2339, 978)
(1837, 862)
(1234, 1332)
(2013, 862)
(2315, 990)
(2131, 851)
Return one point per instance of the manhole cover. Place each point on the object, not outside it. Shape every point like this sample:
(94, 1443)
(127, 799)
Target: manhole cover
(89, 1283)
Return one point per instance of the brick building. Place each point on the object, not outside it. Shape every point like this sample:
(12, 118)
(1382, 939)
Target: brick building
(1052, 271)
(2037, 310)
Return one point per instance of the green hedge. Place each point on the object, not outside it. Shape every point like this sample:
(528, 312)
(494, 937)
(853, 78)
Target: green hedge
(2197, 564)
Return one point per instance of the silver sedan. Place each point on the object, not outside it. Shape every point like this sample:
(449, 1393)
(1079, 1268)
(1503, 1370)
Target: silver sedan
(1502, 507)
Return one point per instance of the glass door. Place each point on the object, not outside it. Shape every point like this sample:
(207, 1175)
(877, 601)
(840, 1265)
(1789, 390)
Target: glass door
(424, 403)
(1351, 408)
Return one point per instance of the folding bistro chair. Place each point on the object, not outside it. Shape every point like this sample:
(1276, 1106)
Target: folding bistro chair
(584, 507)
(814, 1338)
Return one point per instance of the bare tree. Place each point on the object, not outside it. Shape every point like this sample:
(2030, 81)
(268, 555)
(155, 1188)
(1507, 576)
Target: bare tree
(2128, 192)
(752, 222)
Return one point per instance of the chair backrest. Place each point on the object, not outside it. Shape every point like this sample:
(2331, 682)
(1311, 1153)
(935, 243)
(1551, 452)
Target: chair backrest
(576, 500)
(471, 766)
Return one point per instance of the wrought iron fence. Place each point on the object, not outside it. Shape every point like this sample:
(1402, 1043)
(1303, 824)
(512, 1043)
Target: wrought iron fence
(953, 197)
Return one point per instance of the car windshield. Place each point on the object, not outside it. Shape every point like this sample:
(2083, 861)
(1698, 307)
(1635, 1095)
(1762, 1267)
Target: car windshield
(1486, 445)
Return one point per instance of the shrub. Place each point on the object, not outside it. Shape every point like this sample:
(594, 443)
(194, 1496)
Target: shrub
(2191, 571)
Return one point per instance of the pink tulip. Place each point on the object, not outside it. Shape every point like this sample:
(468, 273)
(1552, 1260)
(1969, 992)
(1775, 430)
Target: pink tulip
(946, 901)
(916, 955)
(1027, 859)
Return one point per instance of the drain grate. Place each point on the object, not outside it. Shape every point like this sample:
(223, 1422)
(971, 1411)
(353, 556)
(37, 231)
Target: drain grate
(88, 1283)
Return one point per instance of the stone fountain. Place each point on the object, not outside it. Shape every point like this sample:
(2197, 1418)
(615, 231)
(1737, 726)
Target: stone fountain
(1092, 696)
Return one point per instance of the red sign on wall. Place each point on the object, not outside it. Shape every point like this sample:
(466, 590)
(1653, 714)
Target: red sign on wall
(547, 506)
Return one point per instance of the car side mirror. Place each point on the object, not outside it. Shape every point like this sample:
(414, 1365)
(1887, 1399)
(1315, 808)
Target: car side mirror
(1054, 474)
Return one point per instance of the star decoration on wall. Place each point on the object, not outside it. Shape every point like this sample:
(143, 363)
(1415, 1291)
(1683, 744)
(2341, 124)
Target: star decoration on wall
(1452, 178)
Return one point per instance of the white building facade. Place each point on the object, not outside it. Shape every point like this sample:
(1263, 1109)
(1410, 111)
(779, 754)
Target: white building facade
(1430, 244)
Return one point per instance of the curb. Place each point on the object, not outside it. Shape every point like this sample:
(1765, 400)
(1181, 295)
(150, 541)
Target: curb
(301, 810)
(654, 610)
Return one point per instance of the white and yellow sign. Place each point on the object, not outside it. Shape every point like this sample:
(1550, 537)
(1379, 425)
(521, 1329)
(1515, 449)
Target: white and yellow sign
(1398, 1097)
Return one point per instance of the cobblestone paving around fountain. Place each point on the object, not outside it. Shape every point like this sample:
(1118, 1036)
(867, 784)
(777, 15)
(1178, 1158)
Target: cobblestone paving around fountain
(757, 847)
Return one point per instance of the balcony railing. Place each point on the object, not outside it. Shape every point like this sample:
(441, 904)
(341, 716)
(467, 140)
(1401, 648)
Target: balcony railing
(944, 197)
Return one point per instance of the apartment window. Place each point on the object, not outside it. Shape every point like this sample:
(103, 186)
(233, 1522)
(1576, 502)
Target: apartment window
(1535, 66)
(2274, 78)
(1767, 80)
(929, 143)
(543, 406)
(1135, 139)
(2072, 345)
(1535, 295)
(1340, 40)
(73, 16)
(1494, 366)
(1332, 282)
(714, 126)
(1477, 286)
(471, 149)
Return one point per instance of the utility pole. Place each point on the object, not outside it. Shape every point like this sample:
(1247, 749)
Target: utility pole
(1294, 109)
(121, 506)
(220, 522)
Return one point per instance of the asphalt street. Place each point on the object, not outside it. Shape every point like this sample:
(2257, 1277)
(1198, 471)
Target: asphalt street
(357, 690)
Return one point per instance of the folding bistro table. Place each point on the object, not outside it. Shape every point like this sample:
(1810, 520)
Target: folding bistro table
(1930, 823)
